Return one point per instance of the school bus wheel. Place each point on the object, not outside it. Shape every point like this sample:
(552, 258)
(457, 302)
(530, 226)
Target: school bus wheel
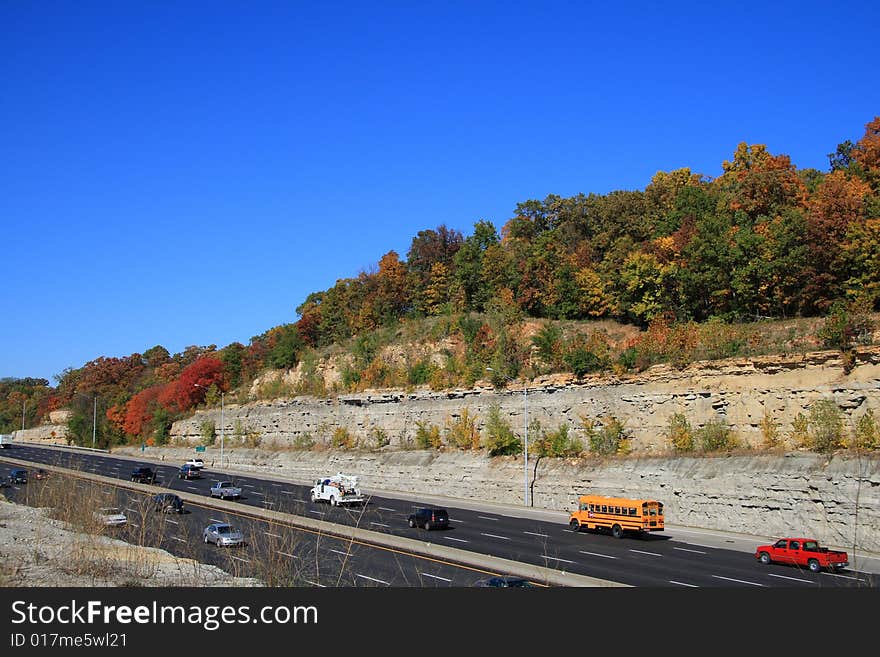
(617, 531)
(575, 525)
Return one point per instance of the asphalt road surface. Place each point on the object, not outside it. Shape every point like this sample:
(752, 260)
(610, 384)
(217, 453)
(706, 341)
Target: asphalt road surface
(678, 557)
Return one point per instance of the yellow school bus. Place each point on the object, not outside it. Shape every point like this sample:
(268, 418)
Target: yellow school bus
(619, 514)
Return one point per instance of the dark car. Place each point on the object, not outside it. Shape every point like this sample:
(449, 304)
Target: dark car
(505, 581)
(189, 471)
(41, 474)
(143, 475)
(167, 503)
(18, 476)
(429, 518)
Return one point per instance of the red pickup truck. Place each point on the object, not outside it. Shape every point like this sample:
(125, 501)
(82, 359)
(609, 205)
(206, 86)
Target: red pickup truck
(802, 552)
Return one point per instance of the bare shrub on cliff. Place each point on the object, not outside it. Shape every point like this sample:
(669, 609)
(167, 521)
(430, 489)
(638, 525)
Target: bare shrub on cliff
(800, 431)
(342, 438)
(770, 432)
(461, 432)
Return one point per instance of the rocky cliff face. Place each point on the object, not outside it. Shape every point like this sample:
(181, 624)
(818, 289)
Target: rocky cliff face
(741, 392)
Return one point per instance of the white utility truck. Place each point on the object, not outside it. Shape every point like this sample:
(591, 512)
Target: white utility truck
(339, 489)
(5, 440)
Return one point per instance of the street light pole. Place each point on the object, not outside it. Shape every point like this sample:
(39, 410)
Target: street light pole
(221, 429)
(94, 421)
(525, 438)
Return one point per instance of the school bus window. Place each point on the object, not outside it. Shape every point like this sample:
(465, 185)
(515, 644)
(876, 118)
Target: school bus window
(632, 511)
(604, 509)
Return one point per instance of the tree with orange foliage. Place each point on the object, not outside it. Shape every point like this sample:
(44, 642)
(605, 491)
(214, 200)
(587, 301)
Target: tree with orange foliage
(190, 389)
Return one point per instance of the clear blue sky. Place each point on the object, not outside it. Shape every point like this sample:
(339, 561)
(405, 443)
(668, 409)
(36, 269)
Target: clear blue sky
(186, 173)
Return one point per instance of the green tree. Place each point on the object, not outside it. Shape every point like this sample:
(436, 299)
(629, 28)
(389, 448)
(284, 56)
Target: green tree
(867, 433)
(606, 437)
(826, 426)
(679, 434)
(500, 439)
(715, 436)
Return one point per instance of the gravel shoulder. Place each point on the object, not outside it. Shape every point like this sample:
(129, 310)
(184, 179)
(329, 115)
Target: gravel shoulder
(39, 551)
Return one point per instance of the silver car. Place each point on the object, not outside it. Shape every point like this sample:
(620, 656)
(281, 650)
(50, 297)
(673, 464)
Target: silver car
(111, 516)
(223, 534)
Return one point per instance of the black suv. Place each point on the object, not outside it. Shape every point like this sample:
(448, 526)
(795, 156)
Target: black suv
(143, 475)
(18, 476)
(167, 503)
(429, 518)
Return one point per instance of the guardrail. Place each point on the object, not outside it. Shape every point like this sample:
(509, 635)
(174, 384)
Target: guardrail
(488, 562)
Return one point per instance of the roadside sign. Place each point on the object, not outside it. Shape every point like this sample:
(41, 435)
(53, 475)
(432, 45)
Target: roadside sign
(200, 448)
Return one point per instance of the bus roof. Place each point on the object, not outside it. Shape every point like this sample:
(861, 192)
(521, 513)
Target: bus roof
(617, 501)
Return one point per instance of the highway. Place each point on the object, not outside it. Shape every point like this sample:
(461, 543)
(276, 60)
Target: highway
(679, 557)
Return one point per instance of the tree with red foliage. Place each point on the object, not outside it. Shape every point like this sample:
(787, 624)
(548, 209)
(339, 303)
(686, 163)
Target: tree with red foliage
(139, 409)
(194, 381)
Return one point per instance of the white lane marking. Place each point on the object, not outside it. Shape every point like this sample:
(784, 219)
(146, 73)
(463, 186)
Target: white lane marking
(248, 485)
(240, 559)
(323, 586)
(271, 534)
(380, 524)
(686, 550)
(192, 488)
(317, 513)
(176, 538)
(373, 579)
(535, 534)
(741, 581)
(794, 579)
(504, 538)
(556, 559)
(596, 554)
(134, 524)
(455, 520)
(460, 540)
(487, 518)
(215, 520)
(259, 493)
(653, 554)
(672, 581)
(292, 556)
(173, 522)
(288, 492)
(385, 508)
(435, 577)
(344, 554)
(844, 576)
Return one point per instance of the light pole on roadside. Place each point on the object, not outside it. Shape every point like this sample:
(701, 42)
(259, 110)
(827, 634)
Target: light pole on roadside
(94, 421)
(525, 438)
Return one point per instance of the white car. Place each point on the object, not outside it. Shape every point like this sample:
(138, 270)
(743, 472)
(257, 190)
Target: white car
(111, 516)
(195, 463)
(223, 534)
